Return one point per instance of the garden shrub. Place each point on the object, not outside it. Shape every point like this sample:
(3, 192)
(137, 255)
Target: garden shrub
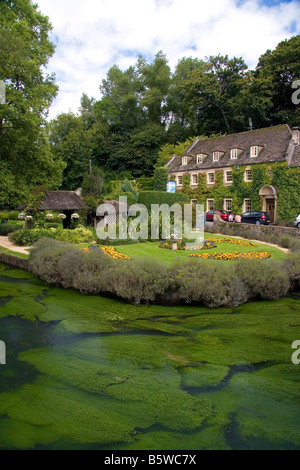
(263, 279)
(131, 199)
(160, 197)
(13, 215)
(161, 177)
(44, 260)
(27, 237)
(289, 242)
(5, 229)
(141, 280)
(292, 266)
(127, 187)
(213, 284)
(146, 184)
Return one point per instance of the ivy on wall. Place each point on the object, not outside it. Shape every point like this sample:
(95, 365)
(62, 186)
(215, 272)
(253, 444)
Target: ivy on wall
(286, 180)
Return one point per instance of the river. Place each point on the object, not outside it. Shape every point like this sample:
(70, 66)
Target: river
(87, 372)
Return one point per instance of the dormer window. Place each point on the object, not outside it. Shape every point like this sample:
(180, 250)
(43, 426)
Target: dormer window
(200, 157)
(254, 151)
(184, 160)
(233, 154)
(216, 156)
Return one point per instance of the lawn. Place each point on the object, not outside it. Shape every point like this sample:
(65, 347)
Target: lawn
(153, 250)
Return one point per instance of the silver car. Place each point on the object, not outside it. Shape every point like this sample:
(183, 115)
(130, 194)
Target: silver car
(297, 221)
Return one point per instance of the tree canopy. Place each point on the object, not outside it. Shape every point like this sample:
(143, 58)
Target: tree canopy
(147, 112)
(25, 157)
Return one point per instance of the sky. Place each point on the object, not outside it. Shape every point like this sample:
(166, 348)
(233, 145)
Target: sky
(92, 35)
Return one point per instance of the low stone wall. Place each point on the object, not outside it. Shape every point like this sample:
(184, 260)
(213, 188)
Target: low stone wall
(14, 261)
(271, 233)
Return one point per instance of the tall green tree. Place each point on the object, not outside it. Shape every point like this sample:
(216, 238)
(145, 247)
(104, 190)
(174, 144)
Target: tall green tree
(70, 141)
(212, 95)
(273, 78)
(25, 154)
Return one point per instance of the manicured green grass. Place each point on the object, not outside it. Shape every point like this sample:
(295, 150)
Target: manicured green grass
(153, 250)
(13, 253)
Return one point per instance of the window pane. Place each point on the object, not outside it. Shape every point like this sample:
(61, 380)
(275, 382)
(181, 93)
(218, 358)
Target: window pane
(229, 177)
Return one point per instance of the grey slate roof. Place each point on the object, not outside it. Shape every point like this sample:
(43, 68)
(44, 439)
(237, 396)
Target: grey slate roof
(273, 140)
(60, 200)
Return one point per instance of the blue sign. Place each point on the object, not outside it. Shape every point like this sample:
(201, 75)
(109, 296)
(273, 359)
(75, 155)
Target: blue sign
(171, 187)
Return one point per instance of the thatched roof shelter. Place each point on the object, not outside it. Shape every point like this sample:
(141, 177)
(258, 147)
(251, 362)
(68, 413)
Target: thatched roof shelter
(60, 201)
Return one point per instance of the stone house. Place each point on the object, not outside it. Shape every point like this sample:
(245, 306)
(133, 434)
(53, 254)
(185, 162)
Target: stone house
(225, 168)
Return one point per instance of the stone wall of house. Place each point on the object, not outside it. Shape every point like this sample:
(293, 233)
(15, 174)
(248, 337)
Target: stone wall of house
(271, 233)
(14, 261)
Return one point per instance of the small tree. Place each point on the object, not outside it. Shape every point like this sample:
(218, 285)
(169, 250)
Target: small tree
(92, 183)
(161, 176)
(128, 188)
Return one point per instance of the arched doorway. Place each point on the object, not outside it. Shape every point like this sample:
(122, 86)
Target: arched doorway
(269, 195)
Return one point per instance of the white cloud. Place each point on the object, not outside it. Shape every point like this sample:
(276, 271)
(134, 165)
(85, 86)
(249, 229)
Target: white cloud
(94, 35)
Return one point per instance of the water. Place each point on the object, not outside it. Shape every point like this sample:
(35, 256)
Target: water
(87, 372)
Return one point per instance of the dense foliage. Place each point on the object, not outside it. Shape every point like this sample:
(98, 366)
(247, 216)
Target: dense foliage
(147, 112)
(25, 237)
(25, 156)
(160, 197)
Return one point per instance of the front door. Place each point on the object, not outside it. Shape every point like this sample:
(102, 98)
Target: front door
(270, 208)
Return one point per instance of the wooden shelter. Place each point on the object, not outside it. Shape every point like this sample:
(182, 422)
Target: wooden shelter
(67, 202)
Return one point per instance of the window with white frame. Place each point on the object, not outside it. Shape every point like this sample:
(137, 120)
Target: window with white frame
(210, 204)
(228, 176)
(254, 151)
(247, 205)
(179, 180)
(210, 178)
(216, 156)
(227, 205)
(195, 178)
(200, 157)
(233, 154)
(184, 160)
(248, 175)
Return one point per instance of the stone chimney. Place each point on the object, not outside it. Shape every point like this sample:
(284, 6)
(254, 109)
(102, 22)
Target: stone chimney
(296, 135)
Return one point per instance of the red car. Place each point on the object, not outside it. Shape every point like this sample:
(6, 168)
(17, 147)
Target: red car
(223, 214)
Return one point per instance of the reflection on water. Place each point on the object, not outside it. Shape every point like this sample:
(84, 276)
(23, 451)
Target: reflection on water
(93, 373)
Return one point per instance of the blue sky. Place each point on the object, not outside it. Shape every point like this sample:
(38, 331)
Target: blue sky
(93, 35)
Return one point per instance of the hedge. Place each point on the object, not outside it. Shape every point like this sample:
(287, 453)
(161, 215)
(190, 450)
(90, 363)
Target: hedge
(27, 237)
(161, 177)
(5, 229)
(160, 197)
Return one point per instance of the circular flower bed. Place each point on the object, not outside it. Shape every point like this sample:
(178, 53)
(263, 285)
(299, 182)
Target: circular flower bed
(231, 241)
(181, 244)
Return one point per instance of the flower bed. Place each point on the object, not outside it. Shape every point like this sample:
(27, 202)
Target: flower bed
(109, 251)
(113, 253)
(181, 245)
(232, 256)
(231, 241)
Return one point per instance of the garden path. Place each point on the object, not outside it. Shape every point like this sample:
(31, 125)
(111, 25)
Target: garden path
(6, 243)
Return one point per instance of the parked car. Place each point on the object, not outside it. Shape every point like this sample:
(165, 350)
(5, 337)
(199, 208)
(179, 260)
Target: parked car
(258, 218)
(297, 221)
(223, 214)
